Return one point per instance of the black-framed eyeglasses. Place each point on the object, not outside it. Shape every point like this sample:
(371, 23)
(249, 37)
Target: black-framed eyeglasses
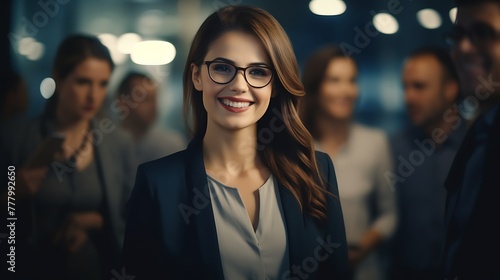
(257, 76)
(478, 33)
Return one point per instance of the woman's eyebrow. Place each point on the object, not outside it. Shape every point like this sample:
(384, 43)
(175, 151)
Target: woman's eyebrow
(258, 64)
(223, 60)
(232, 62)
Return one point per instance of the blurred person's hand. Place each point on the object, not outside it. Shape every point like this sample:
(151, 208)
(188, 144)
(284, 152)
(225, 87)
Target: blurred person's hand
(356, 256)
(366, 246)
(74, 232)
(71, 238)
(29, 180)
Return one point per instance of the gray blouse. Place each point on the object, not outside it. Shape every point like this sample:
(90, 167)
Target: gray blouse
(368, 202)
(245, 253)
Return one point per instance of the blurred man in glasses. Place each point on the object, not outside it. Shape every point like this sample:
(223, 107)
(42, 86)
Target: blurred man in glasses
(473, 211)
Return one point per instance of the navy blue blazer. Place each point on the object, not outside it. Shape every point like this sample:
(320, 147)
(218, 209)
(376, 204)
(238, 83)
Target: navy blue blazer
(171, 234)
(477, 257)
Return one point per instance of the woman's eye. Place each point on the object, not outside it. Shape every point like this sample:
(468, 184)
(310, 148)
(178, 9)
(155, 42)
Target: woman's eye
(225, 68)
(258, 71)
(332, 80)
(82, 81)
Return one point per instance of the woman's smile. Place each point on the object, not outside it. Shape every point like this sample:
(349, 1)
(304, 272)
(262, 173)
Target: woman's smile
(235, 105)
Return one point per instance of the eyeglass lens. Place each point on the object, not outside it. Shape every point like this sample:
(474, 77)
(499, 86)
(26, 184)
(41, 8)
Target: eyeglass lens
(223, 73)
(478, 33)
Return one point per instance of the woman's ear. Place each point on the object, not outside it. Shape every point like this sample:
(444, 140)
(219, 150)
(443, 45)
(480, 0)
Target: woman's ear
(196, 77)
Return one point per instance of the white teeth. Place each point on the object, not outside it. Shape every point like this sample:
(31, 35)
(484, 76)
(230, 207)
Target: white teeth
(235, 104)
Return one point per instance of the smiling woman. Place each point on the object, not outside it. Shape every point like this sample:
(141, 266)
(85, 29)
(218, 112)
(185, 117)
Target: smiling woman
(249, 198)
(226, 90)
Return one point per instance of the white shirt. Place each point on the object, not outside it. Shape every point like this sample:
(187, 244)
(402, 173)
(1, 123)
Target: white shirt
(361, 166)
(245, 253)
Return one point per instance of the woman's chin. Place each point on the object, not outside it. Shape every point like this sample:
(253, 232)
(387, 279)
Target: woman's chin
(236, 125)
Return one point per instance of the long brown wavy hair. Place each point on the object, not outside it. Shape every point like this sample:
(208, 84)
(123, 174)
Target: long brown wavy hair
(287, 152)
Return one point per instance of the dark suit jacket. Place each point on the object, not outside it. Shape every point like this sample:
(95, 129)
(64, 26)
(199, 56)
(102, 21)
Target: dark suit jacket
(114, 151)
(478, 256)
(170, 228)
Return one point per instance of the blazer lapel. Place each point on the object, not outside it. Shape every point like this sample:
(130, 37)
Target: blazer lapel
(294, 225)
(455, 175)
(105, 161)
(204, 221)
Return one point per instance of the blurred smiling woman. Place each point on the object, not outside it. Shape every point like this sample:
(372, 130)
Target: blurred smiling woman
(360, 154)
(249, 198)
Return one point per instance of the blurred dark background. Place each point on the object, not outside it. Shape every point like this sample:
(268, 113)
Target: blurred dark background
(34, 29)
